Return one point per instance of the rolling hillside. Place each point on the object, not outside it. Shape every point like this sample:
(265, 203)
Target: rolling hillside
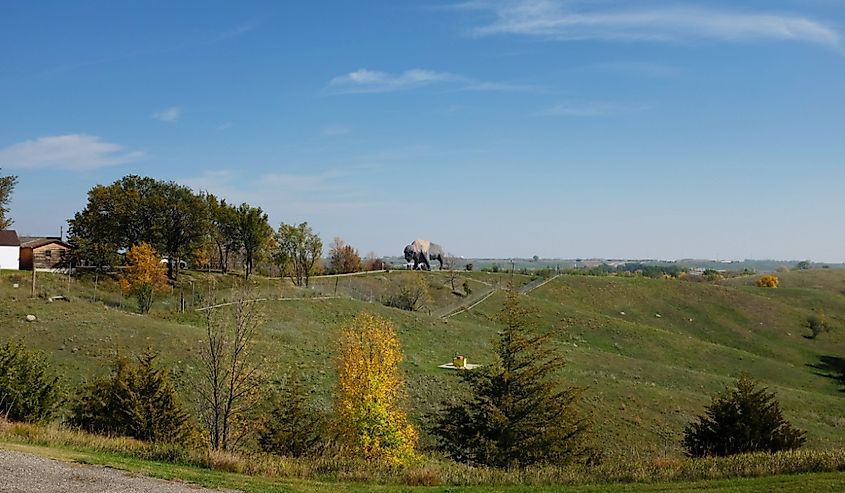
(650, 352)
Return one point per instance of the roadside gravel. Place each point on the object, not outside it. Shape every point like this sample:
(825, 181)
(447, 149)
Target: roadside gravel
(25, 473)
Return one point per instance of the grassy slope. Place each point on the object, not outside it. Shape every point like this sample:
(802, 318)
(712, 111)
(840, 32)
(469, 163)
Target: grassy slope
(647, 375)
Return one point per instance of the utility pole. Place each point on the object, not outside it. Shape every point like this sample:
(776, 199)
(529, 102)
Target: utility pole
(33, 280)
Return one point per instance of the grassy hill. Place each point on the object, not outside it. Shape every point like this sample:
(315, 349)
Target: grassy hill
(650, 352)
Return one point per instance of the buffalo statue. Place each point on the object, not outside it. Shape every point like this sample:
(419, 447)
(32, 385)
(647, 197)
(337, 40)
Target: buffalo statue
(422, 252)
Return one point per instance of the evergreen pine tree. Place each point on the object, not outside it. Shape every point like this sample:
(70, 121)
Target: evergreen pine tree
(136, 400)
(518, 414)
(293, 427)
(742, 419)
(29, 390)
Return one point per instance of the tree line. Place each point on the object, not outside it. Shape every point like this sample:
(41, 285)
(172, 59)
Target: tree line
(182, 225)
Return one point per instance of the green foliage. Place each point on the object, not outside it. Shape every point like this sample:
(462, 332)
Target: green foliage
(739, 420)
(254, 233)
(29, 390)
(469, 267)
(803, 265)
(818, 323)
(7, 186)
(293, 428)
(134, 210)
(299, 251)
(137, 400)
(467, 288)
(519, 414)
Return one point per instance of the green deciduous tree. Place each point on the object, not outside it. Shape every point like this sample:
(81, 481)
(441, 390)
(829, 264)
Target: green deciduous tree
(223, 229)
(253, 233)
(518, 412)
(138, 209)
(138, 400)
(744, 418)
(298, 252)
(29, 390)
(7, 186)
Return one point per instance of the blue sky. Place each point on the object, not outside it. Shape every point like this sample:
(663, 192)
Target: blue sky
(638, 129)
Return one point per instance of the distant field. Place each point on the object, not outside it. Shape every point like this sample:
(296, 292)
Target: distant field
(648, 371)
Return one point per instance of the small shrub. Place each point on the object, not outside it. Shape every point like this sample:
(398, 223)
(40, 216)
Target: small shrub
(768, 281)
(29, 390)
(742, 419)
(293, 427)
(137, 400)
(144, 276)
(818, 324)
(467, 288)
(410, 293)
(371, 389)
(469, 266)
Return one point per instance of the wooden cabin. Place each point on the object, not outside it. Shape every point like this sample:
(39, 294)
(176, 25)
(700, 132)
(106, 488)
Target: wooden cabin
(45, 253)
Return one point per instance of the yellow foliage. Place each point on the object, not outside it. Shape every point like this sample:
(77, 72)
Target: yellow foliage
(144, 275)
(371, 388)
(768, 281)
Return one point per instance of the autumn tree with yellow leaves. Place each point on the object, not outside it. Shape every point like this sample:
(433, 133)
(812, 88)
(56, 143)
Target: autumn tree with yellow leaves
(371, 388)
(144, 275)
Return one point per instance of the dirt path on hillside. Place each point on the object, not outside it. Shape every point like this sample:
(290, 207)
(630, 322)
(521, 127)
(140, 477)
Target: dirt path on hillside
(25, 473)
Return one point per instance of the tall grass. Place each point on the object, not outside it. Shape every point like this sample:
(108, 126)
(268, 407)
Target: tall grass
(337, 466)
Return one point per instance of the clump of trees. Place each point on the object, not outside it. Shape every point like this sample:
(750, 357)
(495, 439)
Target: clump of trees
(371, 390)
(174, 220)
(138, 399)
(744, 418)
(343, 258)
(144, 275)
(7, 186)
(768, 281)
(518, 413)
(29, 389)
(298, 252)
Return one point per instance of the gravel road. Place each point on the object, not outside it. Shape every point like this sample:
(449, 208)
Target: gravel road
(25, 473)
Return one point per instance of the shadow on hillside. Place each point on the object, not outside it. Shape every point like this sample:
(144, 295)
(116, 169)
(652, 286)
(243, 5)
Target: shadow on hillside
(832, 367)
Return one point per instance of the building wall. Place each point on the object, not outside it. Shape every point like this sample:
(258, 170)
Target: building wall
(9, 257)
(50, 256)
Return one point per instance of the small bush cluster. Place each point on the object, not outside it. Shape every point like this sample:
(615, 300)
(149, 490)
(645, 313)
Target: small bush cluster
(817, 324)
(136, 400)
(768, 281)
(29, 390)
(742, 419)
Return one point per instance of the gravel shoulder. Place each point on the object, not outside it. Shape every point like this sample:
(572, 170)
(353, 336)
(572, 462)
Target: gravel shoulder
(26, 473)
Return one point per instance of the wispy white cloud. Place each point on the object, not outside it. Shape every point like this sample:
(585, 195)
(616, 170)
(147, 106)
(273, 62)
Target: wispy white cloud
(364, 80)
(373, 81)
(73, 152)
(593, 109)
(169, 115)
(618, 21)
(289, 194)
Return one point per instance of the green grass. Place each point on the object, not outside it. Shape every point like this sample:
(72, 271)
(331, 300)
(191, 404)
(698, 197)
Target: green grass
(647, 376)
